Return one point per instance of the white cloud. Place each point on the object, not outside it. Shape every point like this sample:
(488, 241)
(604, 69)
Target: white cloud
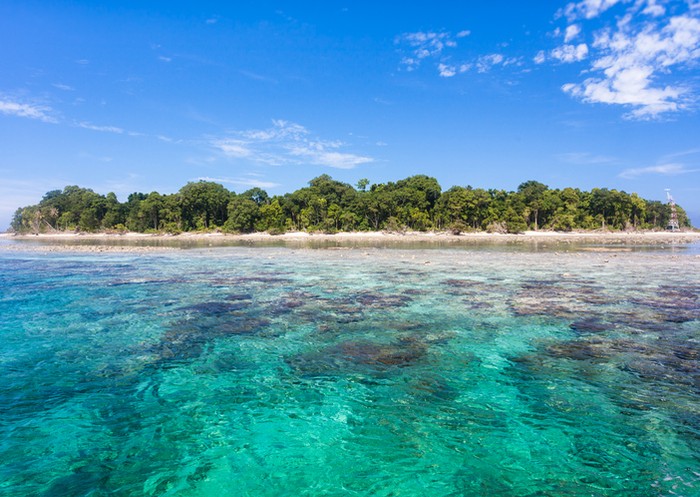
(587, 9)
(572, 31)
(423, 45)
(337, 160)
(447, 71)
(653, 9)
(233, 148)
(30, 111)
(104, 129)
(432, 46)
(570, 53)
(539, 58)
(633, 62)
(288, 143)
(63, 87)
(486, 62)
(426, 44)
(672, 169)
(245, 182)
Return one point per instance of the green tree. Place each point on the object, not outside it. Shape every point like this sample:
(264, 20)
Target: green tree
(204, 205)
(415, 202)
(150, 211)
(115, 212)
(243, 214)
(532, 192)
(361, 184)
(257, 195)
(272, 218)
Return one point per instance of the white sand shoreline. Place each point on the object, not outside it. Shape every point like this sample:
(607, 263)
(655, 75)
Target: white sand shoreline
(139, 242)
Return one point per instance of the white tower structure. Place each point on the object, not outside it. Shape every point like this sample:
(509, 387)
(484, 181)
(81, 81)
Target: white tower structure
(673, 222)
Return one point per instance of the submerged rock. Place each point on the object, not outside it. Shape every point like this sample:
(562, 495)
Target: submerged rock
(396, 354)
(589, 325)
(350, 356)
(380, 300)
(673, 304)
(262, 279)
(188, 338)
(215, 308)
(235, 297)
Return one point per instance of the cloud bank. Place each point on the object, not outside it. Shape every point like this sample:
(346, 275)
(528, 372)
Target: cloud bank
(287, 143)
(638, 61)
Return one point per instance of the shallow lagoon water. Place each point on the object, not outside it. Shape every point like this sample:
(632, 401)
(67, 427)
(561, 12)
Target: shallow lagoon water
(357, 371)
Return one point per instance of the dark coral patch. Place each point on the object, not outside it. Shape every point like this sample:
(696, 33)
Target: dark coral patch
(354, 356)
(589, 325)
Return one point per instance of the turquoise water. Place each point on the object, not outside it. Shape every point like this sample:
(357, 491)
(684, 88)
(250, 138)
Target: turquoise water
(277, 371)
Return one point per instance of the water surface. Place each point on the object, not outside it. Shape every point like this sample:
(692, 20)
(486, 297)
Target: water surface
(357, 371)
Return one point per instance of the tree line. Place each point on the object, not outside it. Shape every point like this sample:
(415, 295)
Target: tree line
(326, 205)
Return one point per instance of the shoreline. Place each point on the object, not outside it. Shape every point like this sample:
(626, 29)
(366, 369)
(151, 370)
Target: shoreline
(140, 242)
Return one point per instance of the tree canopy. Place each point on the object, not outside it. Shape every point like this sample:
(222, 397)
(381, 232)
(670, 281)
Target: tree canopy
(416, 203)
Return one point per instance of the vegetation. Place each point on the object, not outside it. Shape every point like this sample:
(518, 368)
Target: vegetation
(415, 203)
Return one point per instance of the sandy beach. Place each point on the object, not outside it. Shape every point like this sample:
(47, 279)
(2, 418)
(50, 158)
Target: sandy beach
(139, 242)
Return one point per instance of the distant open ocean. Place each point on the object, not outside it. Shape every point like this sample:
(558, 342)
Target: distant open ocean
(275, 371)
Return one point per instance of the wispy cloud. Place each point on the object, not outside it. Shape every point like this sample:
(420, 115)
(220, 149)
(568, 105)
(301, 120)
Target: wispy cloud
(16, 108)
(439, 49)
(245, 182)
(672, 169)
(287, 143)
(63, 87)
(634, 58)
(91, 157)
(425, 44)
(586, 158)
(486, 62)
(103, 129)
(237, 149)
(683, 153)
(258, 77)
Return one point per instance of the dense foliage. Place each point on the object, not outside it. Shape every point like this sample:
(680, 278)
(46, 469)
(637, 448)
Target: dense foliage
(416, 203)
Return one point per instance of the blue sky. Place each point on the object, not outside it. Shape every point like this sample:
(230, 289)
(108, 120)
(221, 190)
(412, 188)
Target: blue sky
(143, 96)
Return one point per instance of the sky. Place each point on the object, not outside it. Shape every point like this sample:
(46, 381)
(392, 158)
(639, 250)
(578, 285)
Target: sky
(135, 96)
